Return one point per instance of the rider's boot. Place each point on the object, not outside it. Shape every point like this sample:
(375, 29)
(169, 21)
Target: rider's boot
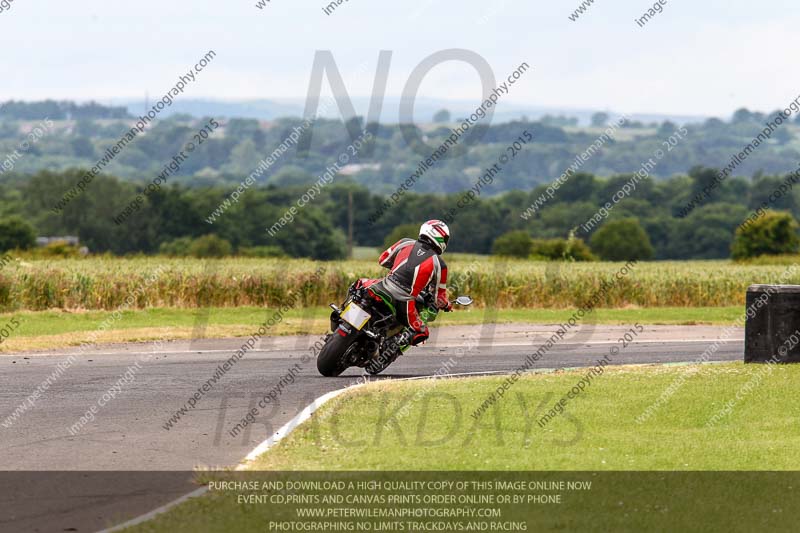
(409, 337)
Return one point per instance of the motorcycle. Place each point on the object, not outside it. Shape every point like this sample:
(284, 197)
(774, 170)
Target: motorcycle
(365, 331)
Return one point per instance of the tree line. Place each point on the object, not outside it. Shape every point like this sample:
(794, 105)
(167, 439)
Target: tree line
(173, 217)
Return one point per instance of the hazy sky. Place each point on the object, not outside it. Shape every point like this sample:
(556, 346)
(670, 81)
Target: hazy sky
(704, 57)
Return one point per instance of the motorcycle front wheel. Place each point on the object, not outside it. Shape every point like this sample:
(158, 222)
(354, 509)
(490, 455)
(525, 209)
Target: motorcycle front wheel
(331, 360)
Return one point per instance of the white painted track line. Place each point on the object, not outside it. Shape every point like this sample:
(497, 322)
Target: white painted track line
(276, 437)
(532, 344)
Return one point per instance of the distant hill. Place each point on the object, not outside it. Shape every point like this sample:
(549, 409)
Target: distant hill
(238, 146)
(425, 109)
(257, 109)
(59, 110)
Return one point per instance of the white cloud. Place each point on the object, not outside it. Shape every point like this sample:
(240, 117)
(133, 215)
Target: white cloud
(691, 59)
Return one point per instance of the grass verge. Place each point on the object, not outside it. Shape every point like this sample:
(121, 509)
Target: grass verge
(44, 330)
(427, 426)
(435, 429)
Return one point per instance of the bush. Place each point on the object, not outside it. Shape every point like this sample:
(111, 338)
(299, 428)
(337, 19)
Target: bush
(176, 248)
(622, 240)
(57, 249)
(205, 246)
(513, 244)
(571, 249)
(16, 234)
(262, 251)
(210, 246)
(775, 233)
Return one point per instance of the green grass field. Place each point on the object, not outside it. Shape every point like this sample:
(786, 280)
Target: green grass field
(598, 431)
(43, 330)
(427, 426)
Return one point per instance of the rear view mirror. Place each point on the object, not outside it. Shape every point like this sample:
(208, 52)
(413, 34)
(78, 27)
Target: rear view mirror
(464, 300)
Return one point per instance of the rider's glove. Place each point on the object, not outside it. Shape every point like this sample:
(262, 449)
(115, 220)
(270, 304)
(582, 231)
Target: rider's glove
(445, 306)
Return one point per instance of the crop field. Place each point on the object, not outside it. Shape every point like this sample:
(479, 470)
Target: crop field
(101, 283)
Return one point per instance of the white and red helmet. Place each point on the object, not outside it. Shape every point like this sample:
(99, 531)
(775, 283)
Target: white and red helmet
(437, 233)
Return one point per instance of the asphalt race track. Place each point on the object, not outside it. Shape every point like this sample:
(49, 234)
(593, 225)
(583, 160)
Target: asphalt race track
(128, 433)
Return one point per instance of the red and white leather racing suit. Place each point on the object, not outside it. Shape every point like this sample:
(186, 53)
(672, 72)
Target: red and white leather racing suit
(414, 265)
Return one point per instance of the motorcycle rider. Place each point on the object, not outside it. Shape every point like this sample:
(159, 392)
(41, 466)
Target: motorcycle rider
(415, 265)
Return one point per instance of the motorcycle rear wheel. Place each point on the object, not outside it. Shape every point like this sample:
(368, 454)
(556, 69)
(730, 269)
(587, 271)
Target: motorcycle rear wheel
(331, 360)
